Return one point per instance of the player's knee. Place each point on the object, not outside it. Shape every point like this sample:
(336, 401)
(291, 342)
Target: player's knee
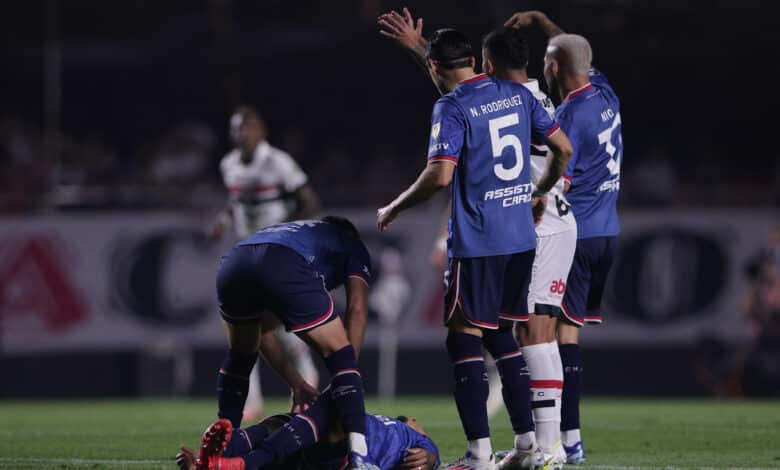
(568, 334)
(500, 342)
(459, 324)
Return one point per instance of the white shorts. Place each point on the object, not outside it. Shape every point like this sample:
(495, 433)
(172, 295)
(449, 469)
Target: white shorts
(554, 255)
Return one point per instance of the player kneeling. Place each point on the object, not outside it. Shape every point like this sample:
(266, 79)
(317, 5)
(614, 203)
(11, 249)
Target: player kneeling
(313, 439)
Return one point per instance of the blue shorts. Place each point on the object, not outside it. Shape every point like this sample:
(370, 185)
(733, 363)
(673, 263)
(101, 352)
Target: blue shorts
(489, 288)
(256, 279)
(587, 279)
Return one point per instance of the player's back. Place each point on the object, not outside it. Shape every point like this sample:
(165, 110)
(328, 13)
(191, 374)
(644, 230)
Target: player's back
(332, 252)
(486, 127)
(591, 118)
(389, 439)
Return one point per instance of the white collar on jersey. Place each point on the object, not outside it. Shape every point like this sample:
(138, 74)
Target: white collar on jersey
(532, 84)
(262, 151)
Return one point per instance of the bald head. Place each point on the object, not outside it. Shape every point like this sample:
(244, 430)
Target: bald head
(572, 52)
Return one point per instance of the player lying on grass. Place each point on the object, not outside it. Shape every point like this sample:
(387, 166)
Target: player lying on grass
(285, 272)
(313, 439)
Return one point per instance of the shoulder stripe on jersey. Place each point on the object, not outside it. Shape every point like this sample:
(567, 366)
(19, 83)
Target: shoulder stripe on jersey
(578, 91)
(475, 78)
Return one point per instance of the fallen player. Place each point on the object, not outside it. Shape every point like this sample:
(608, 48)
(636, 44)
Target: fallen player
(313, 439)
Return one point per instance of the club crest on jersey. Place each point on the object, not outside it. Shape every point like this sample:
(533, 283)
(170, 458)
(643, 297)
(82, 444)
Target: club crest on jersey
(435, 130)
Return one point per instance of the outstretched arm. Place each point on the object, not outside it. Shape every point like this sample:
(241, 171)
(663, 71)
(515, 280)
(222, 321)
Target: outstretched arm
(435, 176)
(524, 19)
(407, 34)
(303, 394)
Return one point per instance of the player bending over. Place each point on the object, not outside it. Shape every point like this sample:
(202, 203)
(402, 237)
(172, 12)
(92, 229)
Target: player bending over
(266, 186)
(590, 114)
(285, 272)
(505, 53)
(480, 137)
(315, 439)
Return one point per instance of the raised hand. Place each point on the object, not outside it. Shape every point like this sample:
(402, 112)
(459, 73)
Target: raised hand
(402, 29)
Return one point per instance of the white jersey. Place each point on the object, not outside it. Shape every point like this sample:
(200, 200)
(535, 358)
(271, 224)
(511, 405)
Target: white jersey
(557, 217)
(257, 188)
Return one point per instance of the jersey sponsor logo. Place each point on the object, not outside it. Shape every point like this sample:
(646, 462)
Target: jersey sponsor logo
(511, 195)
(558, 287)
(438, 147)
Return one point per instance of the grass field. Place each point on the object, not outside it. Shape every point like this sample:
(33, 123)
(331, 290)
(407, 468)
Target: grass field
(619, 434)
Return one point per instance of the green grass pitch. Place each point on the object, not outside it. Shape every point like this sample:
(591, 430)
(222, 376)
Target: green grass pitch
(619, 434)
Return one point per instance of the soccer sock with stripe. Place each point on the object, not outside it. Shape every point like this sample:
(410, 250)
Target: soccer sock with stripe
(571, 358)
(347, 395)
(546, 385)
(471, 390)
(233, 384)
(515, 384)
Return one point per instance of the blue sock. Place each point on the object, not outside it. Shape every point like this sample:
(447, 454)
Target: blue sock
(298, 434)
(471, 383)
(515, 380)
(571, 357)
(233, 384)
(244, 440)
(346, 390)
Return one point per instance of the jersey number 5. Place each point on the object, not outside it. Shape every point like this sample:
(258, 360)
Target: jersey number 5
(500, 142)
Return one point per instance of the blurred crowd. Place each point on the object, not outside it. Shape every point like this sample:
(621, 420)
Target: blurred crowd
(180, 169)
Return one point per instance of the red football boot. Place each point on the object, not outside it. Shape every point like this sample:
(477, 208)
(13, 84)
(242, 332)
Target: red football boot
(214, 440)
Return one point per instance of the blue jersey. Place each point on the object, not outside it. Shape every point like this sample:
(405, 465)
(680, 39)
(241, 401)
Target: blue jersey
(590, 117)
(335, 255)
(485, 127)
(388, 440)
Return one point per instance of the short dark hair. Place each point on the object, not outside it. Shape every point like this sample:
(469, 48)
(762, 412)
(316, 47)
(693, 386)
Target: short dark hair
(247, 111)
(508, 48)
(402, 418)
(450, 49)
(343, 223)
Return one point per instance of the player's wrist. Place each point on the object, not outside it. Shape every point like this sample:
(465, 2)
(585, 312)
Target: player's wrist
(538, 193)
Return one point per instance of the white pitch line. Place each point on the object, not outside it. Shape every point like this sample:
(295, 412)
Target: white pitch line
(84, 461)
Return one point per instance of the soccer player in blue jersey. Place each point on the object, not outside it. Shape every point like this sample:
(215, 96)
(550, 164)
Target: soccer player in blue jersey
(315, 439)
(284, 273)
(590, 115)
(480, 137)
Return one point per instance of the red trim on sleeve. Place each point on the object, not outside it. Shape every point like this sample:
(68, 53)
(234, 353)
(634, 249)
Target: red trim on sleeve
(448, 158)
(552, 131)
(567, 178)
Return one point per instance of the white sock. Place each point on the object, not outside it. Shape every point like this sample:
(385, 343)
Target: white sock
(546, 385)
(525, 441)
(481, 448)
(570, 437)
(357, 443)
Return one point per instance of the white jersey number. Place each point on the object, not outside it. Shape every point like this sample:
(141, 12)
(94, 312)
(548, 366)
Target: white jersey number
(605, 137)
(500, 142)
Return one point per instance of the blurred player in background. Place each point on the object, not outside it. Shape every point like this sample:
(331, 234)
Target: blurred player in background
(590, 115)
(480, 136)
(285, 272)
(506, 58)
(266, 186)
(315, 439)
